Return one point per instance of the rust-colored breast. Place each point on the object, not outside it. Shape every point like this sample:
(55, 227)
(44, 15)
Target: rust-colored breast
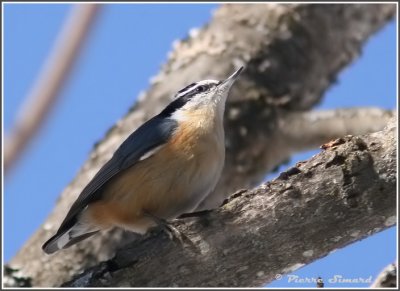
(165, 184)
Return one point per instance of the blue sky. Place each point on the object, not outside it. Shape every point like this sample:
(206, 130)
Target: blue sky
(125, 49)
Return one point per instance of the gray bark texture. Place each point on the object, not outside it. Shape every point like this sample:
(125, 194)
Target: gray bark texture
(292, 54)
(387, 278)
(345, 193)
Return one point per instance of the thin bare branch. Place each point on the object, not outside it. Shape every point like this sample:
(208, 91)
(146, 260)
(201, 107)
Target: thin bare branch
(47, 88)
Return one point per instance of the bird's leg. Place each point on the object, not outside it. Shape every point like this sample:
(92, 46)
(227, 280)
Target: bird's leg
(173, 233)
(194, 214)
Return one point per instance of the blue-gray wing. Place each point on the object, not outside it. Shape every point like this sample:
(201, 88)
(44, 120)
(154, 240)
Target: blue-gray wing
(146, 138)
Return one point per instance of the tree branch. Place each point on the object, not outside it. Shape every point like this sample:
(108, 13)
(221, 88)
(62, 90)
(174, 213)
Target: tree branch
(325, 125)
(44, 94)
(289, 64)
(343, 194)
(387, 278)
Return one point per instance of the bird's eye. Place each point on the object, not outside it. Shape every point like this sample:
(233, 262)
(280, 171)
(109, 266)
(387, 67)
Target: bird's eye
(201, 89)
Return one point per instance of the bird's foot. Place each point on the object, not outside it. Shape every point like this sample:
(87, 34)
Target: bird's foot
(172, 232)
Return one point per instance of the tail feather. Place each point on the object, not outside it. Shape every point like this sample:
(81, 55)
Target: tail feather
(68, 238)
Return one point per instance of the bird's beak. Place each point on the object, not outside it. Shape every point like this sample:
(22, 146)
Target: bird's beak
(232, 78)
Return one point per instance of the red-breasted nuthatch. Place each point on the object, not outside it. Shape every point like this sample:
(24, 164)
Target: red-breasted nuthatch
(166, 168)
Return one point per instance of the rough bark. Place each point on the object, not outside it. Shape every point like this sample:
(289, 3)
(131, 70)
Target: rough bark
(341, 195)
(387, 278)
(289, 64)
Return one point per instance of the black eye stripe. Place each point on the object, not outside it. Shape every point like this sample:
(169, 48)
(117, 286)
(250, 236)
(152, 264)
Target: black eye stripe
(202, 88)
(185, 95)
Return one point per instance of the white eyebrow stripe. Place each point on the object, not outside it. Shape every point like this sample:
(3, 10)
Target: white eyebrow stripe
(194, 86)
(187, 87)
(183, 93)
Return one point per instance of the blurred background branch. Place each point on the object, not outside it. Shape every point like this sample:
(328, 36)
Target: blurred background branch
(46, 90)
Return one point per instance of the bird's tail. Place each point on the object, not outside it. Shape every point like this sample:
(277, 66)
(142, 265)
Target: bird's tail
(69, 237)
